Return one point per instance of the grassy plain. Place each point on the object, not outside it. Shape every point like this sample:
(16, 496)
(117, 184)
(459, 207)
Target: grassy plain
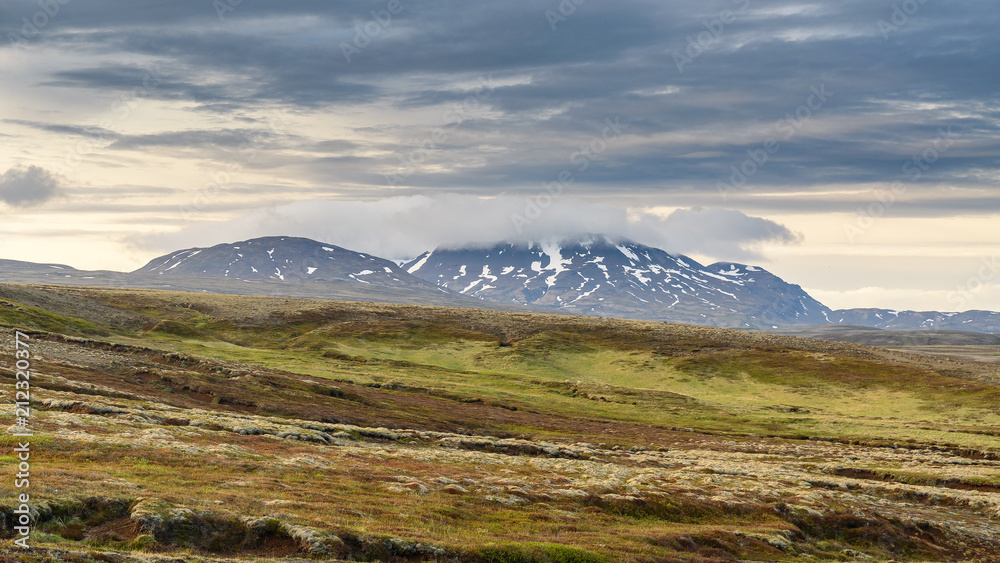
(211, 426)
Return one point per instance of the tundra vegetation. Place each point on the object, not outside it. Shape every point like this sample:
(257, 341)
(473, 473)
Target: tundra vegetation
(198, 427)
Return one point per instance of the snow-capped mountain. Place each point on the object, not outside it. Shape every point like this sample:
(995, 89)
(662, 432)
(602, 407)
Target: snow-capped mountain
(601, 276)
(598, 276)
(978, 321)
(280, 259)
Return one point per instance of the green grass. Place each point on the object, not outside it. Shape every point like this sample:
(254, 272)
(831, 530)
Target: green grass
(789, 392)
(26, 317)
(39, 440)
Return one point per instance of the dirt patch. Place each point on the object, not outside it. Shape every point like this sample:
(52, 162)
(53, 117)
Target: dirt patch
(121, 530)
(273, 546)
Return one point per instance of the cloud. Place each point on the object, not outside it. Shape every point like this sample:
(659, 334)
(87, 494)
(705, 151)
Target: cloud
(555, 88)
(723, 233)
(908, 299)
(28, 186)
(82, 131)
(231, 138)
(403, 227)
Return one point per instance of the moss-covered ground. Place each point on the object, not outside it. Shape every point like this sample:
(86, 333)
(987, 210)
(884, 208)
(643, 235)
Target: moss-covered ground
(210, 426)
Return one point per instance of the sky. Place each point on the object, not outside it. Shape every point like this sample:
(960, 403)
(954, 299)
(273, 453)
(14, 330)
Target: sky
(847, 146)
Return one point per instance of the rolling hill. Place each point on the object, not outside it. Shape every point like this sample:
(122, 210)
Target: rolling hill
(172, 426)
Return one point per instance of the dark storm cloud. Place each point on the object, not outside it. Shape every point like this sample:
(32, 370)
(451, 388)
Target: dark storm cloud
(693, 110)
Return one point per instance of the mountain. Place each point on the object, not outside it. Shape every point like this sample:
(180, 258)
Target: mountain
(31, 268)
(597, 276)
(280, 259)
(269, 266)
(291, 266)
(602, 276)
(977, 321)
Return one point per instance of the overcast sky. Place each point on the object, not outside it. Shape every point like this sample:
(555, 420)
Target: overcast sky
(848, 146)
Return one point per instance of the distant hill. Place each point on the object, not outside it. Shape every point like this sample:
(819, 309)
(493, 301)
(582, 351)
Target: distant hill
(15, 271)
(977, 321)
(16, 266)
(871, 336)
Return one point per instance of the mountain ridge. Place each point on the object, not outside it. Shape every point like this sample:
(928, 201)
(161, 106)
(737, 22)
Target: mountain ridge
(595, 276)
(891, 319)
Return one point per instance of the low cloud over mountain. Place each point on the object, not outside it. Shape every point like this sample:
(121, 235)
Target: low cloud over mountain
(402, 227)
